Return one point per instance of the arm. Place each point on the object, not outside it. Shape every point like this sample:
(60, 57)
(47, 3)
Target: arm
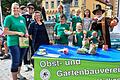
(75, 38)
(55, 32)
(30, 30)
(7, 32)
(55, 29)
(26, 32)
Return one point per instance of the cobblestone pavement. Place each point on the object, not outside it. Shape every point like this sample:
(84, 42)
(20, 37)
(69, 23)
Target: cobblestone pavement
(5, 73)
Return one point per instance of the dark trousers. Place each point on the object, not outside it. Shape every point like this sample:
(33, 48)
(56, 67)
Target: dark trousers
(17, 54)
(29, 53)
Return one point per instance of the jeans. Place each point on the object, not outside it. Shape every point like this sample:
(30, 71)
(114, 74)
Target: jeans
(17, 54)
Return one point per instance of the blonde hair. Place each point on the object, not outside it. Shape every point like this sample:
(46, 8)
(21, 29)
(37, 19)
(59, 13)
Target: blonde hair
(94, 32)
(13, 4)
(78, 24)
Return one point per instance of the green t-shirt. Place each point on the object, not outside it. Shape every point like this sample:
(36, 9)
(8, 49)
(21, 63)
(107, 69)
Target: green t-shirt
(95, 39)
(59, 30)
(75, 20)
(79, 37)
(14, 24)
(88, 34)
(57, 17)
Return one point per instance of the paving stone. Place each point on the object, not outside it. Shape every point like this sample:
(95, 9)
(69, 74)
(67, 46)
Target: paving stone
(5, 73)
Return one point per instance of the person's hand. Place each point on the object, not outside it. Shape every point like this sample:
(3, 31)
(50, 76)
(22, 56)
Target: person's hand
(105, 47)
(51, 42)
(20, 34)
(27, 35)
(75, 40)
(67, 32)
(56, 36)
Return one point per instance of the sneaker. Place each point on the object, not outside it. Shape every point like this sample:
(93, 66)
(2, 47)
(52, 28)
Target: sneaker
(30, 67)
(20, 77)
(6, 56)
(27, 68)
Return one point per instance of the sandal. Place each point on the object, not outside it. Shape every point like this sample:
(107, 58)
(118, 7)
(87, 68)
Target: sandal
(6, 56)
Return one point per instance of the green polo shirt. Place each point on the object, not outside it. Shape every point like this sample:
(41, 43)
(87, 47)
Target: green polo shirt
(79, 37)
(94, 40)
(59, 30)
(14, 24)
(75, 20)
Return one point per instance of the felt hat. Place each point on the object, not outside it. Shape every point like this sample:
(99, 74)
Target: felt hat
(98, 7)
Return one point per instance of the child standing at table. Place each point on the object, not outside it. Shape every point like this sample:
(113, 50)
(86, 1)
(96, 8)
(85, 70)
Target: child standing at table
(78, 35)
(59, 31)
(94, 39)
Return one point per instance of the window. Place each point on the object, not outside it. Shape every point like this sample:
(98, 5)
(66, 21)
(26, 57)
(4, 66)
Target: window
(75, 3)
(52, 4)
(46, 5)
(58, 2)
(49, 18)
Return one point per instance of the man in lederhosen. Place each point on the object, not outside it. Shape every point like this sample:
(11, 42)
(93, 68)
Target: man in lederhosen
(104, 25)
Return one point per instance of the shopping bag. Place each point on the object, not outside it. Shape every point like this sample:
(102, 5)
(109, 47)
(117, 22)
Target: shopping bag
(23, 42)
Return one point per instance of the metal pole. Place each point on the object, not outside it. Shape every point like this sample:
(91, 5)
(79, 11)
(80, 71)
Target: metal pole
(1, 18)
(119, 9)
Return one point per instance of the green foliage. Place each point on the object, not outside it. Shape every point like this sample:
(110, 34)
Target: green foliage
(6, 5)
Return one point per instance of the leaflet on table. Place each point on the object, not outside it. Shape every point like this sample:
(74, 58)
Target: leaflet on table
(52, 55)
(44, 53)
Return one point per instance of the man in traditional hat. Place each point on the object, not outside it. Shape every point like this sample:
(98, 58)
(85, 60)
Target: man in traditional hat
(103, 25)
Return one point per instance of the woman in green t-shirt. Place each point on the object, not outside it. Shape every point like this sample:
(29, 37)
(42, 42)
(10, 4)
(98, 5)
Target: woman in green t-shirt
(59, 31)
(14, 27)
(76, 19)
(57, 15)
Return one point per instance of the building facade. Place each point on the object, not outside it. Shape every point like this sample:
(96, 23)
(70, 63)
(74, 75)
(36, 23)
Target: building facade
(109, 5)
